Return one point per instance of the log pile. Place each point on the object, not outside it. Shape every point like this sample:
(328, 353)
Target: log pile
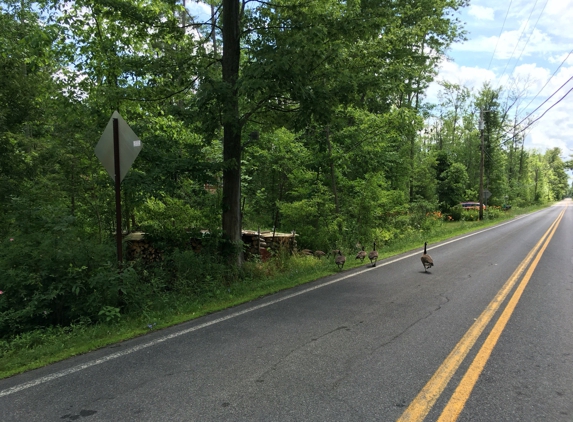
(262, 244)
(280, 241)
(266, 242)
(137, 247)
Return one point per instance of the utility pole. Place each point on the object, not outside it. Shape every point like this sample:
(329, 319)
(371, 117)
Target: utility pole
(481, 165)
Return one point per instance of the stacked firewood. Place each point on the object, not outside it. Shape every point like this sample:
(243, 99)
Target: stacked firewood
(280, 241)
(137, 247)
(267, 242)
(253, 243)
(256, 243)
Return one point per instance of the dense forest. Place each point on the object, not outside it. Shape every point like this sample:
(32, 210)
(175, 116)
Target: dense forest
(286, 115)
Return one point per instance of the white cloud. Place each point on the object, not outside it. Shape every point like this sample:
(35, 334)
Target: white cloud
(481, 12)
(555, 128)
(528, 77)
(514, 43)
(471, 77)
(557, 18)
(479, 44)
(524, 42)
(200, 10)
(540, 35)
(564, 74)
(559, 58)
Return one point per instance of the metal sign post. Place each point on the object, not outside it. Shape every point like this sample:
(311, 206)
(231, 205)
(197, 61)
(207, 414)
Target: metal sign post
(116, 162)
(117, 149)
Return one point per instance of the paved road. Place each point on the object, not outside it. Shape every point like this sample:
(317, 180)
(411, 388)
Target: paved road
(487, 335)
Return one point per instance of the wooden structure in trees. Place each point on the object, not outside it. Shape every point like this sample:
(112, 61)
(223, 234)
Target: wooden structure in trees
(256, 243)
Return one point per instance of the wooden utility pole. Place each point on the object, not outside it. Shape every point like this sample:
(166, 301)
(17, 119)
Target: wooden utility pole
(481, 165)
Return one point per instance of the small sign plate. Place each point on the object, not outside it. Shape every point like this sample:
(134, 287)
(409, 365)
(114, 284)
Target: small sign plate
(129, 147)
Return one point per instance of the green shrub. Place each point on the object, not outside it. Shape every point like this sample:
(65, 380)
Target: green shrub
(55, 278)
(493, 212)
(455, 213)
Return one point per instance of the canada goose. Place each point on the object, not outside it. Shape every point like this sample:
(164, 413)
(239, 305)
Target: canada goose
(306, 252)
(373, 256)
(319, 254)
(340, 260)
(427, 260)
(361, 255)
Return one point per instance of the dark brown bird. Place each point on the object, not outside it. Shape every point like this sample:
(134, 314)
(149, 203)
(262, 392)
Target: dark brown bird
(306, 252)
(427, 260)
(373, 256)
(319, 254)
(340, 260)
(361, 255)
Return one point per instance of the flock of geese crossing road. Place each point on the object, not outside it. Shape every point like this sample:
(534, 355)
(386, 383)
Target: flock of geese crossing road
(340, 259)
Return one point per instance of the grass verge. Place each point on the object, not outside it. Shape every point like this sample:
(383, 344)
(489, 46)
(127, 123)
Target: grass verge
(42, 347)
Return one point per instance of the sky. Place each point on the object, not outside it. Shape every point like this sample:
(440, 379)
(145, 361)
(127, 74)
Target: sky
(521, 44)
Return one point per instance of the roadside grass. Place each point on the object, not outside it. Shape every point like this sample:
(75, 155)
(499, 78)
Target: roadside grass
(41, 347)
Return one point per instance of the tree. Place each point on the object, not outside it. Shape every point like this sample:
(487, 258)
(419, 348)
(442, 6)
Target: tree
(232, 126)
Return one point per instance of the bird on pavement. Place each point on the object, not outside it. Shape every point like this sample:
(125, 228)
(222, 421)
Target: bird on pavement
(373, 255)
(427, 260)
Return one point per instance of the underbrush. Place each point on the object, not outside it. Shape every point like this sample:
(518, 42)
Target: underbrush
(168, 306)
(184, 286)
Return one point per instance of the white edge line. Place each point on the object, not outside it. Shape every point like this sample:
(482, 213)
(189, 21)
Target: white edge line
(133, 349)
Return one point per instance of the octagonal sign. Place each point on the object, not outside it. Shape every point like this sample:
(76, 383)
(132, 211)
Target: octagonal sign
(129, 147)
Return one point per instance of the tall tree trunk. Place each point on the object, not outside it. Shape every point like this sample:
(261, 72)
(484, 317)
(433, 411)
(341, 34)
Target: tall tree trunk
(332, 178)
(413, 144)
(520, 175)
(213, 33)
(536, 178)
(231, 130)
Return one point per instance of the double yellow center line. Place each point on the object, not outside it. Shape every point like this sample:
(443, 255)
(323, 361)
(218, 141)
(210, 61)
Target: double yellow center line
(426, 398)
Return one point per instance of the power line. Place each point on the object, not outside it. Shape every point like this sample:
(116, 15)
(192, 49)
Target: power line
(529, 38)
(546, 83)
(520, 35)
(499, 37)
(544, 113)
(548, 98)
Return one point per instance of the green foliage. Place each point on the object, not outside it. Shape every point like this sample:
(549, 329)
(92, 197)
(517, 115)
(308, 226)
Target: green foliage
(171, 221)
(456, 213)
(331, 92)
(53, 276)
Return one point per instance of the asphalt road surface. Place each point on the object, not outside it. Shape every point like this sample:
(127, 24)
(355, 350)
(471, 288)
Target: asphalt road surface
(485, 335)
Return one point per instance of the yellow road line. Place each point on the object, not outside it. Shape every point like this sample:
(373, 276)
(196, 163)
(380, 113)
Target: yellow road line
(458, 400)
(426, 398)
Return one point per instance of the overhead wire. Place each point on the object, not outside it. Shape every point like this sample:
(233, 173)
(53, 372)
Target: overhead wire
(538, 107)
(529, 38)
(499, 37)
(549, 80)
(519, 39)
(544, 113)
(547, 99)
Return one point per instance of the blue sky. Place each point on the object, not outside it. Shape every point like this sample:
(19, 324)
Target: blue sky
(516, 44)
(523, 52)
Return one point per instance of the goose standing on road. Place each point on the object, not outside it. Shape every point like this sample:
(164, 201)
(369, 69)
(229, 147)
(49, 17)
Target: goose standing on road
(427, 260)
(373, 255)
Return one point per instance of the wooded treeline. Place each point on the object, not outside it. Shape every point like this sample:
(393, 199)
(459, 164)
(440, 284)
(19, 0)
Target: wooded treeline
(294, 115)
